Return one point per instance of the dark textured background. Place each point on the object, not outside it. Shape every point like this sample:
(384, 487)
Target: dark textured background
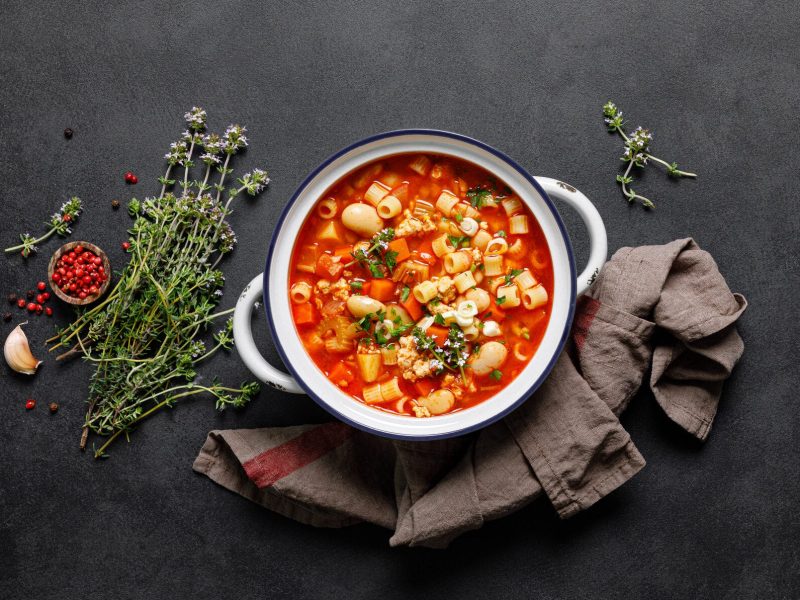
(717, 81)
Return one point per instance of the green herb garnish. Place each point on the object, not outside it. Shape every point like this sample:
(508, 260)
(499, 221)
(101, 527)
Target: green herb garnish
(404, 293)
(390, 259)
(511, 274)
(637, 153)
(497, 375)
(376, 257)
(61, 223)
(478, 197)
(458, 241)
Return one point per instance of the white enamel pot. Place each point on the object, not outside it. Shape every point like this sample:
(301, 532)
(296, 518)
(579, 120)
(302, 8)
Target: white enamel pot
(305, 377)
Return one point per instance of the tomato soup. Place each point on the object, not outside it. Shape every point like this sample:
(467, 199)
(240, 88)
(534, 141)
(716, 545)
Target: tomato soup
(421, 285)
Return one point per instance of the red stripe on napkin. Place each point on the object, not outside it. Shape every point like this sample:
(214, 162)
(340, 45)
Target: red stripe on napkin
(584, 315)
(278, 462)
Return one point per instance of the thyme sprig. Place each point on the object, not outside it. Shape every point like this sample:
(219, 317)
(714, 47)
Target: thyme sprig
(377, 259)
(144, 337)
(636, 154)
(59, 223)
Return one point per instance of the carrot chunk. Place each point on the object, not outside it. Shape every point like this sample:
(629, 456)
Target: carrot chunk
(438, 333)
(424, 386)
(382, 289)
(413, 307)
(400, 245)
(341, 375)
(494, 312)
(343, 251)
(329, 267)
(304, 314)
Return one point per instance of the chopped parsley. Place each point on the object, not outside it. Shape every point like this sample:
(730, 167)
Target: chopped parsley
(390, 259)
(478, 197)
(375, 270)
(459, 241)
(404, 293)
(501, 233)
(380, 338)
(497, 375)
(459, 217)
(401, 329)
(365, 322)
(500, 300)
(356, 286)
(511, 274)
(438, 319)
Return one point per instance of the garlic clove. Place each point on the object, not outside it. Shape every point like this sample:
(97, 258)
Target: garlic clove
(18, 353)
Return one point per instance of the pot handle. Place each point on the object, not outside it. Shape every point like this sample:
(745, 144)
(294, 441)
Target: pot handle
(246, 347)
(598, 239)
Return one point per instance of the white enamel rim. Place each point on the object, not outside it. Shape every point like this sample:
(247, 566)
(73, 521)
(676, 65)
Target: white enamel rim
(307, 378)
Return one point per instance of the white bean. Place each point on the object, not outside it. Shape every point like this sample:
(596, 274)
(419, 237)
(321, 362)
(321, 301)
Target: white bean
(361, 306)
(438, 401)
(362, 218)
(480, 297)
(491, 356)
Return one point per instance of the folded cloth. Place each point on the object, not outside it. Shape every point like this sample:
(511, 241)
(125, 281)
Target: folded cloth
(565, 442)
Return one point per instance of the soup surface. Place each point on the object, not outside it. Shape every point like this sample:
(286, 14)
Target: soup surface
(421, 285)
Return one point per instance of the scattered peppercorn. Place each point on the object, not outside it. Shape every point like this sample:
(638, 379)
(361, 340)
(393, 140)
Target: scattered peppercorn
(129, 177)
(41, 286)
(6, 316)
(68, 133)
(134, 180)
(48, 311)
(21, 302)
(30, 404)
(126, 245)
(30, 294)
(46, 296)
(53, 407)
(12, 298)
(115, 204)
(67, 218)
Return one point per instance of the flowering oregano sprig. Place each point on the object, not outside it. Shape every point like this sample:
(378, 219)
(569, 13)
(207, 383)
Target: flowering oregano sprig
(637, 153)
(59, 223)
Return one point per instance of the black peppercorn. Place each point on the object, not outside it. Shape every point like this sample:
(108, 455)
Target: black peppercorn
(12, 298)
(7, 317)
(68, 133)
(115, 204)
(31, 294)
(53, 407)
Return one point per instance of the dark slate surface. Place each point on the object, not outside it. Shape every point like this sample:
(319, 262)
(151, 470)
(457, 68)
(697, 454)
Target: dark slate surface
(717, 81)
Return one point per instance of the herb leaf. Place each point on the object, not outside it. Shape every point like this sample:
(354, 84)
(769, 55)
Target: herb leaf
(478, 197)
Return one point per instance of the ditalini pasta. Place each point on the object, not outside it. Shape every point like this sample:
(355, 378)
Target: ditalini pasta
(421, 285)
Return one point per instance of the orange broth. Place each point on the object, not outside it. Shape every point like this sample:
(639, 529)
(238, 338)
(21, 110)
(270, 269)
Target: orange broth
(441, 194)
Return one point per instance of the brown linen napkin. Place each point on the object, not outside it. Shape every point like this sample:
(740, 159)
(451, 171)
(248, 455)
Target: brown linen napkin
(565, 441)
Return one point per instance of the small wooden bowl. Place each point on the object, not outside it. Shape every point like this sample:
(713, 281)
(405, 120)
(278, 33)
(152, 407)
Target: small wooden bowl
(52, 267)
